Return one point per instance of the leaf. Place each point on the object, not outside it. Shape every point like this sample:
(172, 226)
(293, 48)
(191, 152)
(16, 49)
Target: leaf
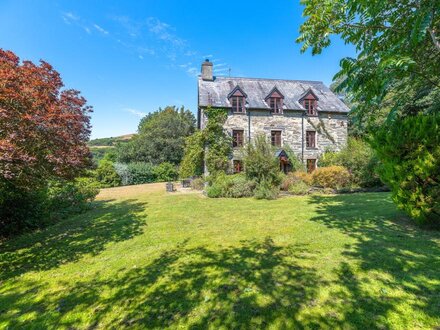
(421, 25)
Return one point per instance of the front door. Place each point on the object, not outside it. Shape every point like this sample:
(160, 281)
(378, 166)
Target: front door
(311, 165)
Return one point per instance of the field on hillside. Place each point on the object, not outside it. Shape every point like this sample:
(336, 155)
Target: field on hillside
(142, 258)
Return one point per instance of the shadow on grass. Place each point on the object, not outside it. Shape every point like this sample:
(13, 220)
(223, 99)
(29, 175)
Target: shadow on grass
(68, 240)
(254, 285)
(400, 257)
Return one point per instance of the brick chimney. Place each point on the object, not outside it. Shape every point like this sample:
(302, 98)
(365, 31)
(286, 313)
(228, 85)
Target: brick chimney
(207, 70)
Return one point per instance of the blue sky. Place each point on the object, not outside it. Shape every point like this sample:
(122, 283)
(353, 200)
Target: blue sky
(131, 57)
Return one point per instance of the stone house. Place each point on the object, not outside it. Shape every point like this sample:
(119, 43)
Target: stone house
(299, 115)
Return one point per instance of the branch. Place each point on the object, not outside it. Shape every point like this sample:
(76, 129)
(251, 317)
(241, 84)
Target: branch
(434, 39)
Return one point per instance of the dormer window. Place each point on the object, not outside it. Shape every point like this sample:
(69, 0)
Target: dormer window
(309, 101)
(238, 103)
(237, 99)
(276, 104)
(275, 101)
(310, 106)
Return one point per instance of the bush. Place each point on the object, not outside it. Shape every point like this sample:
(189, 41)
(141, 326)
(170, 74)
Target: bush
(124, 173)
(214, 191)
(198, 184)
(141, 173)
(106, 174)
(71, 197)
(260, 163)
(266, 190)
(409, 150)
(360, 160)
(165, 172)
(299, 188)
(307, 178)
(297, 183)
(331, 177)
(21, 209)
(234, 186)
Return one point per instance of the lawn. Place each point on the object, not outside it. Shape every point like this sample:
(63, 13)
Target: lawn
(142, 258)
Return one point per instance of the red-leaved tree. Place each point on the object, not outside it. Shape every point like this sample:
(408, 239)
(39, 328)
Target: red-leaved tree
(43, 129)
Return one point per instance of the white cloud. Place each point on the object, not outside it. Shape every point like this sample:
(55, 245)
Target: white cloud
(193, 71)
(221, 70)
(69, 17)
(164, 32)
(141, 57)
(100, 29)
(135, 112)
(190, 53)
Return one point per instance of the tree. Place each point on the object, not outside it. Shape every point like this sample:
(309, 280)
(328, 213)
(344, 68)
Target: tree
(393, 81)
(43, 135)
(410, 154)
(43, 129)
(398, 46)
(161, 137)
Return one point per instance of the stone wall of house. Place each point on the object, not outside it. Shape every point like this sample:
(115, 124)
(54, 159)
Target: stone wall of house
(330, 128)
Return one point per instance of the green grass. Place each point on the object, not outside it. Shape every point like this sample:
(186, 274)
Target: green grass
(144, 259)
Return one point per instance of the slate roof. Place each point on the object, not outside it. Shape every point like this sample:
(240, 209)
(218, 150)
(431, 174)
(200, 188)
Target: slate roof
(215, 93)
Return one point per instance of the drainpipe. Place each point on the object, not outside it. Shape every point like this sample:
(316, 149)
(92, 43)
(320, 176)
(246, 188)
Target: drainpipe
(249, 126)
(302, 138)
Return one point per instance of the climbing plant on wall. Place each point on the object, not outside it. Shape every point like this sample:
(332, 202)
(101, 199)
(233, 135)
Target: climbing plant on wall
(211, 146)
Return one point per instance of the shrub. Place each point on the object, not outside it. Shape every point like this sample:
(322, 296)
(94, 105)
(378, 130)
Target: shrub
(409, 150)
(266, 190)
(331, 177)
(124, 173)
(260, 162)
(359, 158)
(307, 178)
(71, 197)
(198, 184)
(141, 173)
(21, 209)
(296, 183)
(106, 174)
(165, 172)
(234, 186)
(299, 188)
(214, 191)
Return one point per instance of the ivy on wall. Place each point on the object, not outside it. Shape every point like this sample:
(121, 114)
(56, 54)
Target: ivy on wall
(321, 129)
(211, 146)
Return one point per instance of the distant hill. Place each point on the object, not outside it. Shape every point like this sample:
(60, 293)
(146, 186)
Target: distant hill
(100, 147)
(110, 141)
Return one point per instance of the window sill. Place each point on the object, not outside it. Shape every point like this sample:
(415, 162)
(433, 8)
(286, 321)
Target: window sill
(238, 113)
(311, 148)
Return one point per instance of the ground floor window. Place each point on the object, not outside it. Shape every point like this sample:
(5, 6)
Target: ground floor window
(311, 165)
(238, 166)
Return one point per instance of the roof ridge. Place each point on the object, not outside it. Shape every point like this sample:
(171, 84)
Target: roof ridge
(274, 79)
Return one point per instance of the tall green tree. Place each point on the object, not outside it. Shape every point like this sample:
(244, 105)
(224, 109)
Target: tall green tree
(398, 53)
(393, 82)
(161, 137)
